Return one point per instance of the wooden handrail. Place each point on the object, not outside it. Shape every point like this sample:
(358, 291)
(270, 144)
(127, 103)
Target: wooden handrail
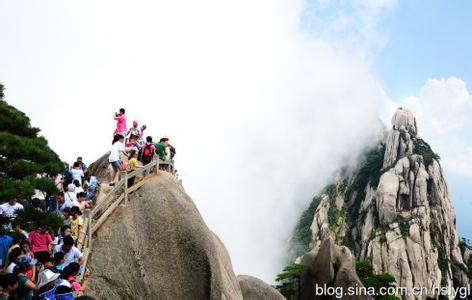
(98, 215)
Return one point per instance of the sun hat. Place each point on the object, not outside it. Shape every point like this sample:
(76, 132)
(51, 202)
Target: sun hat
(26, 261)
(46, 277)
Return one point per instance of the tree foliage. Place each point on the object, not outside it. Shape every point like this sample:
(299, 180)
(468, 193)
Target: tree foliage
(424, 149)
(365, 271)
(23, 154)
(287, 280)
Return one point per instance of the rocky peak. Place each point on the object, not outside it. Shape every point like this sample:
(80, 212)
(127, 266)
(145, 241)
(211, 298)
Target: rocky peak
(403, 119)
(396, 212)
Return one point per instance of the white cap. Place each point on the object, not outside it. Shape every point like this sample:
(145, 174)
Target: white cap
(46, 277)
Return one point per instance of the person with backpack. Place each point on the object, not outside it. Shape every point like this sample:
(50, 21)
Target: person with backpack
(148, 151)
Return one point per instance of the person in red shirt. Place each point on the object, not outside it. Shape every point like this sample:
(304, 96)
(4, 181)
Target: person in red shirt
(39, 241)
(121, 127)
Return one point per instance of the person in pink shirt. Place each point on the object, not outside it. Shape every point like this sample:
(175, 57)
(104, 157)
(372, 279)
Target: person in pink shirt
(39, 241)
(121, 127)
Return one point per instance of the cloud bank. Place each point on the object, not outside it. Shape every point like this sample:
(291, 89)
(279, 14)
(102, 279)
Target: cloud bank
(261, 108)
(443, 108)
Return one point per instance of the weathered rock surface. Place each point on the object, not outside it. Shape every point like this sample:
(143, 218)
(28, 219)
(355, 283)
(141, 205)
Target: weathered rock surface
(331, 266)
(253, 288)
(158, 247)
(406, 224)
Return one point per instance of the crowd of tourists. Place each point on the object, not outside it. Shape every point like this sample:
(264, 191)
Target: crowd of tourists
(44, 264)
(132, 145)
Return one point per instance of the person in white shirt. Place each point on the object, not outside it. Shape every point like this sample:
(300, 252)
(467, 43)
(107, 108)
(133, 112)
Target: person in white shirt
(71, 253)
(69, 197)
(114, 159)
(11, 208)
(77, 172)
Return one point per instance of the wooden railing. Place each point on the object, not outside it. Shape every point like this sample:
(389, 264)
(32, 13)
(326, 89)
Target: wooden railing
(97, 216)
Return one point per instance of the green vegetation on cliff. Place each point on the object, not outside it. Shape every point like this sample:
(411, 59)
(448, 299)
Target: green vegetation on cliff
(369, 174)
(302, 234)
(288, 280)
(424, 149)
(365, 271)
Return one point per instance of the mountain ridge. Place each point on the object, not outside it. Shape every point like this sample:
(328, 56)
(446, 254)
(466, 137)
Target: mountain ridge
(395, 212)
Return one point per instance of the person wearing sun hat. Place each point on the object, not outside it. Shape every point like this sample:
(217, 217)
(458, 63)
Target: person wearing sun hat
(25, 285)
(47, 284)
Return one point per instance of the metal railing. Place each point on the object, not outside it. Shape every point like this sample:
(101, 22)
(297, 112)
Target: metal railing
(100, 213)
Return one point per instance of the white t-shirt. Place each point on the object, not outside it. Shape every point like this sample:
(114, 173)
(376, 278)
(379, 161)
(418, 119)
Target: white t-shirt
(10, 211)
(116, 151)
(69, 257)
(11, 268)
(77, 175)
(69, 199)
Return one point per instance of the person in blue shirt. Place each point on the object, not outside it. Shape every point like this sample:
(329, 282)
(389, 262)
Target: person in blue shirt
(92, 186)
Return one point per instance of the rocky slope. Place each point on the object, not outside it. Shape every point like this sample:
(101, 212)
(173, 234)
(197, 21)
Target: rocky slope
(158, 247)
(395, 211)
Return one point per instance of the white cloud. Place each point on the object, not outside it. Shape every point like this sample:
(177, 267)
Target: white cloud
(443, 109)
(261, 113)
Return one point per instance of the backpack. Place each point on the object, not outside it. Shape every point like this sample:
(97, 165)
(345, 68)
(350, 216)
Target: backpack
(147, 153)
(172, 152)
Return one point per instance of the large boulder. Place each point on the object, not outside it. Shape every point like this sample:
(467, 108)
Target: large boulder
(332, 266)
(256, 289)
(158, 247)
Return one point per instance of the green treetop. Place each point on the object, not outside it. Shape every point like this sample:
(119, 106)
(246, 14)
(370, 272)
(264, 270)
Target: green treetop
(23, 154)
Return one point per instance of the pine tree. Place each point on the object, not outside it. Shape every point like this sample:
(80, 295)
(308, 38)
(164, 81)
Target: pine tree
(23, 154)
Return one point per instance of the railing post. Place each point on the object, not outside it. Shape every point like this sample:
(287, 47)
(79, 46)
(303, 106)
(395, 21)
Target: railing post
(89, 229)
(126, 188)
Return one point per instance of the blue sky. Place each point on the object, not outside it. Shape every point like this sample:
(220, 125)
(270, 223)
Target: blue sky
(425, 40)
(431, 41)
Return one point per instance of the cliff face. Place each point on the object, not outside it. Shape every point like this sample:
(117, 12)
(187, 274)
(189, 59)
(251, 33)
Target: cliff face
(396, 212)
(159, 247)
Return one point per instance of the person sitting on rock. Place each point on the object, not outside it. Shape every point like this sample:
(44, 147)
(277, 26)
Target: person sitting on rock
(71, 253)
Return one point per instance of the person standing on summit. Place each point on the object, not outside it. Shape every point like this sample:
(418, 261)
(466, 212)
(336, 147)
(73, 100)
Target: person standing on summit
(121, 128)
